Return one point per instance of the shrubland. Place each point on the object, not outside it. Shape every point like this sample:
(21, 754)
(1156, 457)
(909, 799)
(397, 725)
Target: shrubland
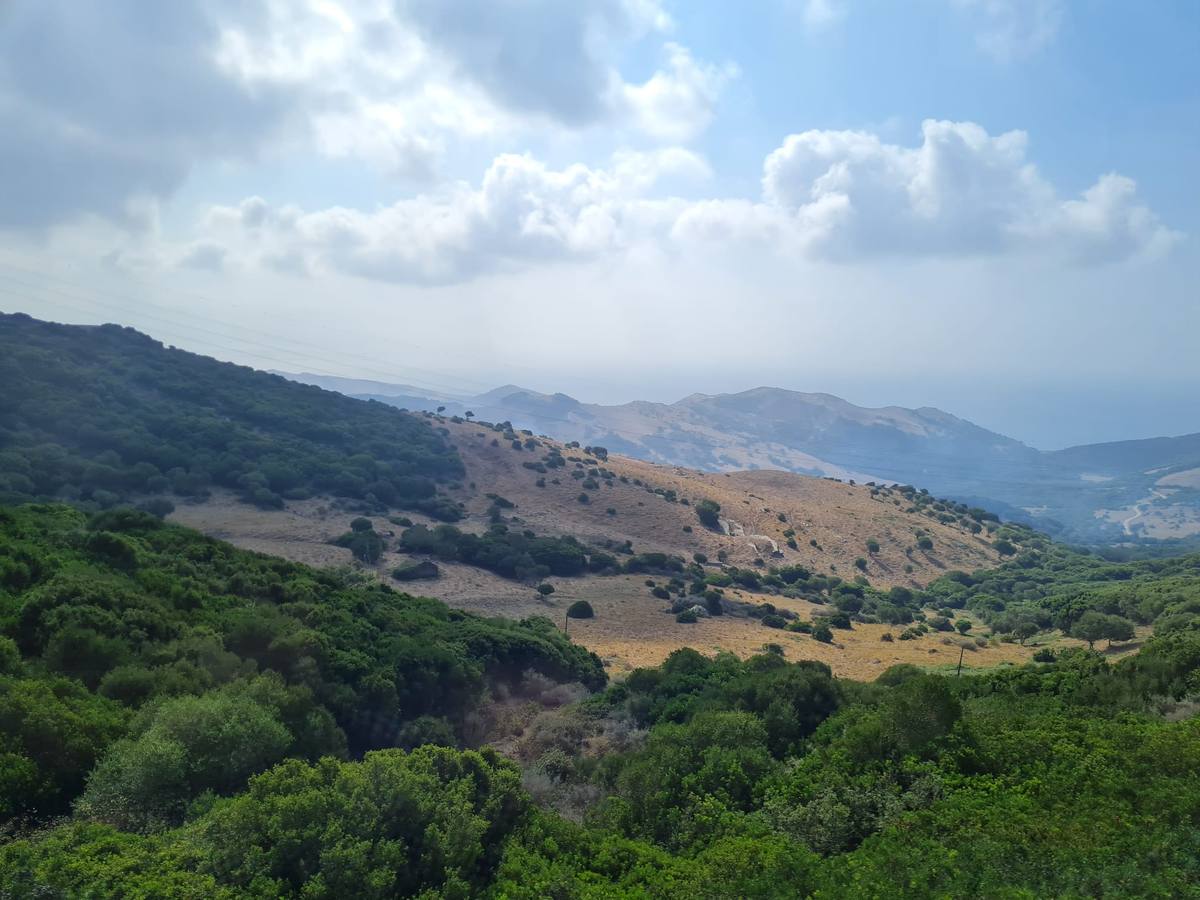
(185, 719)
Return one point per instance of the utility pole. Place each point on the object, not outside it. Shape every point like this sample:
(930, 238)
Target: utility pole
(961, 651)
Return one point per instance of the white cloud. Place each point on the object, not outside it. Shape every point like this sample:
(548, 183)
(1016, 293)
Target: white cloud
(849, 195)
(1014, 29)
(835, 196)
(522, 212)
(113, 103)
(678, 102)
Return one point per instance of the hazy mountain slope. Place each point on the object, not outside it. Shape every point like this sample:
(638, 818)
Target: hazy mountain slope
(1127, 457)
(1090, 493)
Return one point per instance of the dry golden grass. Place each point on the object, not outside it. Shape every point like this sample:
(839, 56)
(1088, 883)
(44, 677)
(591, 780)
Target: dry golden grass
(839, 517)
(632, 628)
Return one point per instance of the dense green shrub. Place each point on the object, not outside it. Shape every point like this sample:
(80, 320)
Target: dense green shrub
(167, 704)
(102, 415)
(580, 609)
(708, 512)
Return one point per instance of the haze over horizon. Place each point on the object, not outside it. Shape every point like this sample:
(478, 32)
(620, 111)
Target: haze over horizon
(629, 199)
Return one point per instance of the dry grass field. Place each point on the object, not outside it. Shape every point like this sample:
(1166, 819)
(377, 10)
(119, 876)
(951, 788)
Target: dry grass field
(632, 628)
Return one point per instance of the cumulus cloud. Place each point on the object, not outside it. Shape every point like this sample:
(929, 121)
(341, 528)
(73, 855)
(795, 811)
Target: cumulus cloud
(849, 195)
(678, 102)
(838, 196)
(105, 106)
(522, 212)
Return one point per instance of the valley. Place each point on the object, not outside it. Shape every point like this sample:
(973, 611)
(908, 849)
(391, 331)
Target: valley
(1074, 494)
(226, 597)
(631, 627)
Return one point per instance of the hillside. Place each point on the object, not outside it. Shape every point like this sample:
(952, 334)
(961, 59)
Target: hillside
(653, 511)
(101, 415)
(183, 719)
(1101, 493)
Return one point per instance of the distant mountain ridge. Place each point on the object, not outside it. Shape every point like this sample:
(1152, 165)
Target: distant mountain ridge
(1086, 493)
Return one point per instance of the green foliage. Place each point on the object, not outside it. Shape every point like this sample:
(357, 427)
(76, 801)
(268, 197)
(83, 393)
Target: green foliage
(1093, 626)
(101, 415)
(52, 731)
(179, 637)
(366, 545)
(708, 512)
(580, 609)
(211, 693)
(416, 571)
(1048, 586)
(512, 554)
(395, 824)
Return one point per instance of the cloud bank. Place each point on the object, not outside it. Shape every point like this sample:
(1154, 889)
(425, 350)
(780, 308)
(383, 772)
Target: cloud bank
(833, 196)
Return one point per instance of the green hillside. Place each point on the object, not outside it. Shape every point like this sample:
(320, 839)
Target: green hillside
(102, 415)
(125, 638)
(182, 719)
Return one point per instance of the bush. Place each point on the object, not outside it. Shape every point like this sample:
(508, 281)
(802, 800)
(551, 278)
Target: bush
(545, 589)
(708, 512)
(366, 545)
(822, 633)
(416, 571)
(580, 609)
(687, 617)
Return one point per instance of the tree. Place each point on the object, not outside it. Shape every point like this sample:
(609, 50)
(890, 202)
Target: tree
(822, 633)
(963, 625)
(1119, 629)
(580, 609)
(925, 542)
(1093, 626)
(1024, 630)
(430, 822)
(707, 511)
(545, 589)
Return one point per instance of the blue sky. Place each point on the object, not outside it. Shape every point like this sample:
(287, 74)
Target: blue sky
(984, 205)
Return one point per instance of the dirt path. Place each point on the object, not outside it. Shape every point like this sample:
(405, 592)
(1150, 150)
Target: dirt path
(1141, 508)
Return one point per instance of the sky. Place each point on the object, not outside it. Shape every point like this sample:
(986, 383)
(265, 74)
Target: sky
(988, 206)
